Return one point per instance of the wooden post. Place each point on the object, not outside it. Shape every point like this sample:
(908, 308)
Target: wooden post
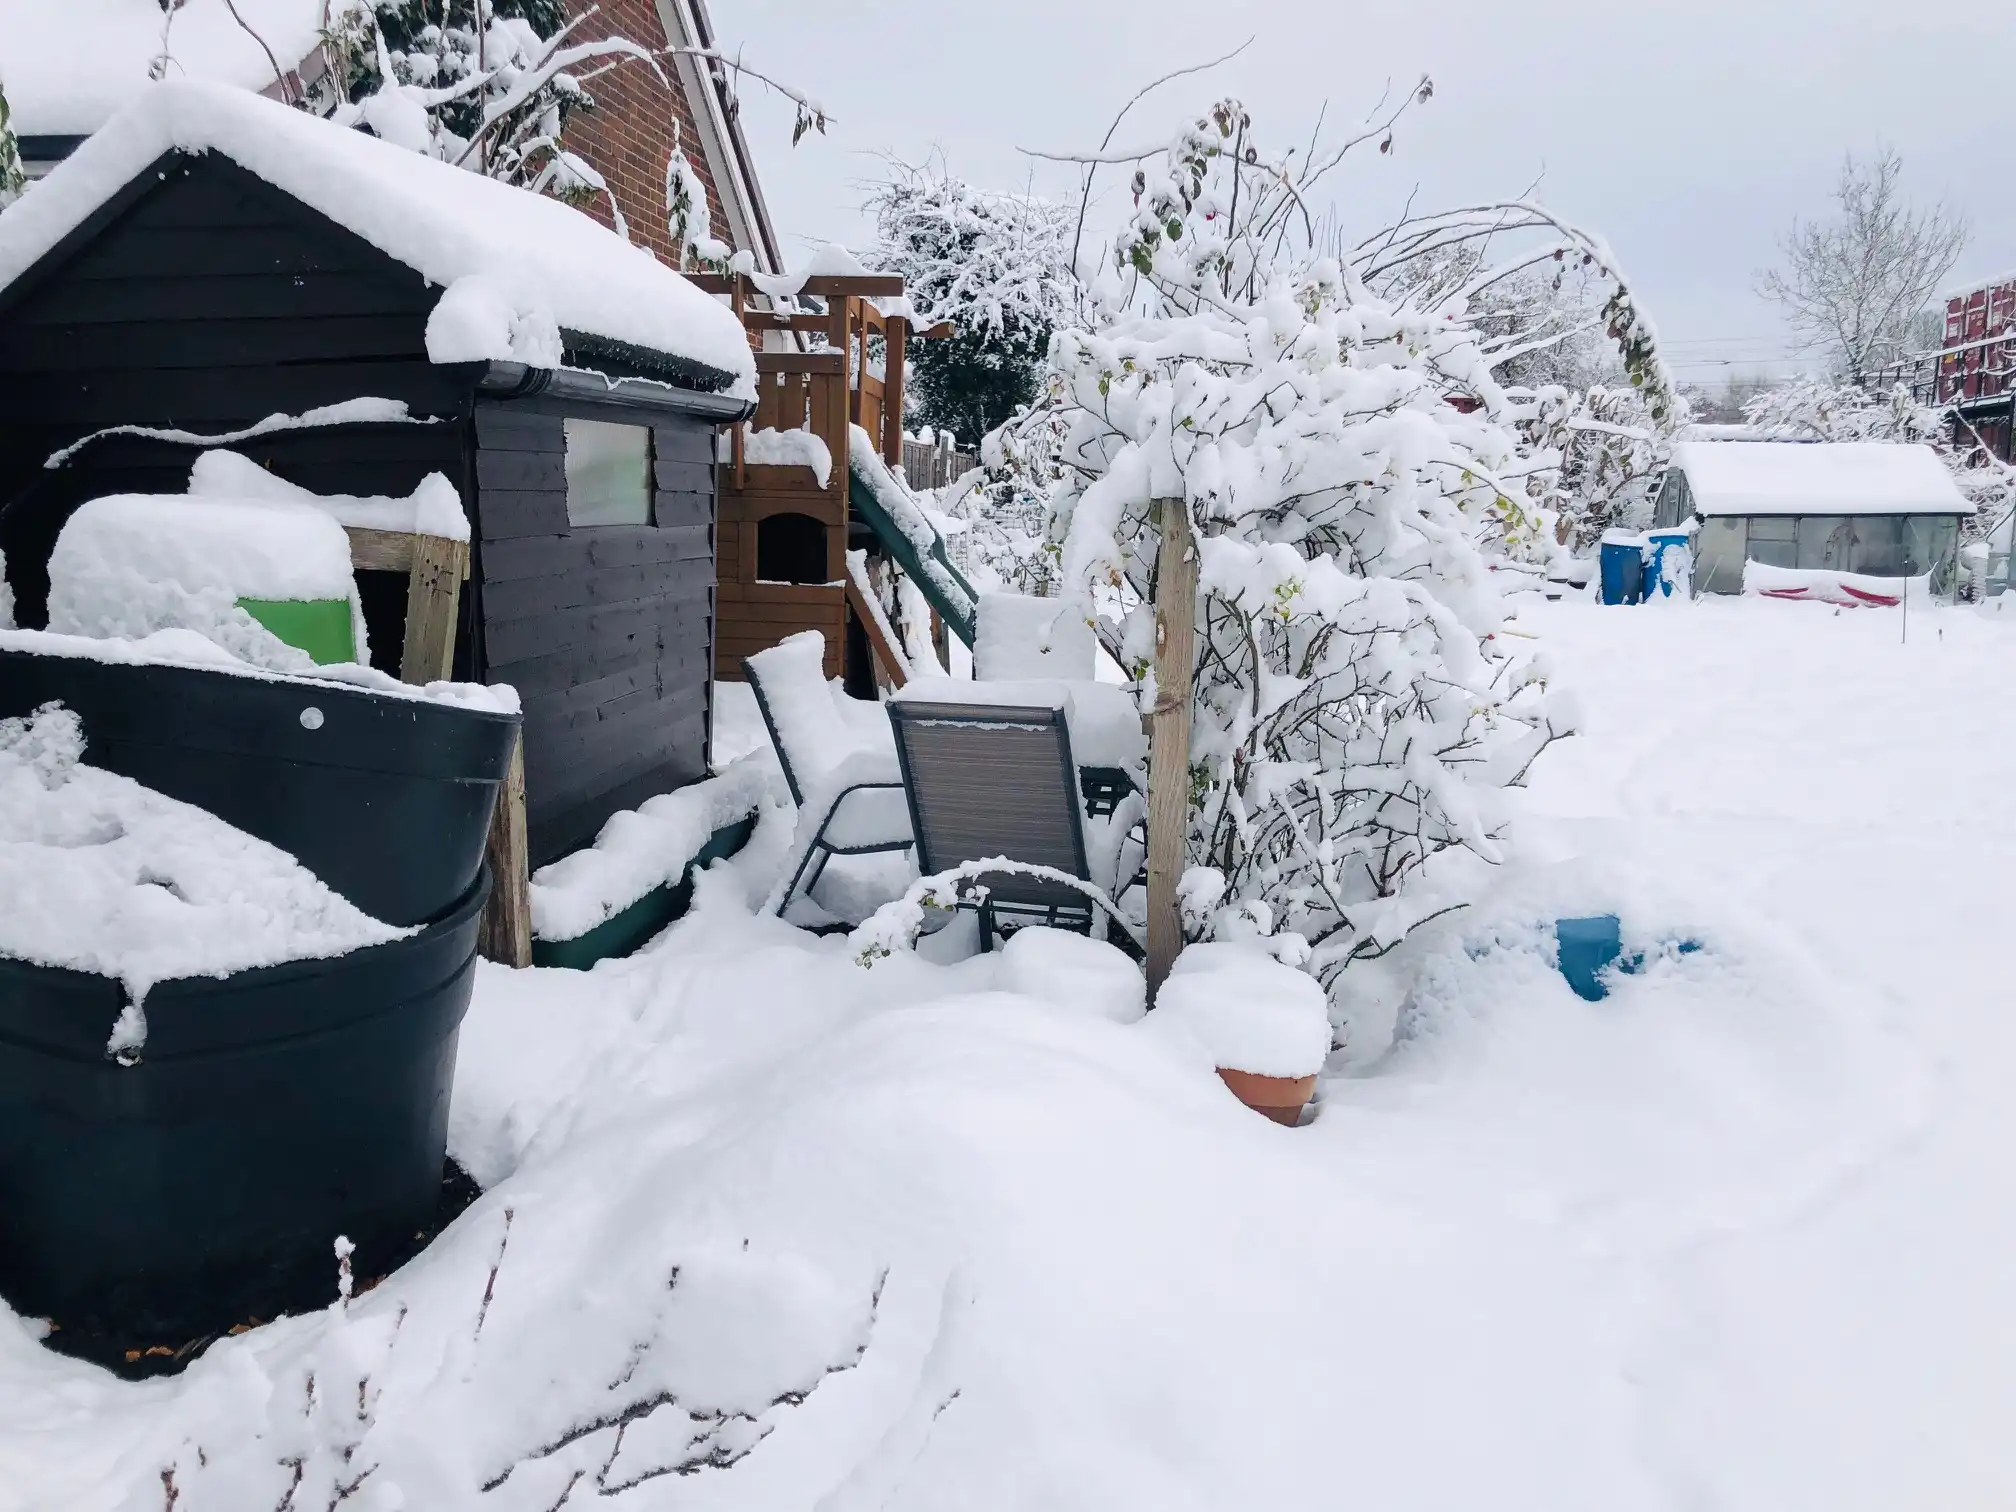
(895, 350)
(1169, 735)
(886, 654)
(433, 602)
(506, 934)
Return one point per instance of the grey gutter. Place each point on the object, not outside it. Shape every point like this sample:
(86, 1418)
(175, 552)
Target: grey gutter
(645, 396)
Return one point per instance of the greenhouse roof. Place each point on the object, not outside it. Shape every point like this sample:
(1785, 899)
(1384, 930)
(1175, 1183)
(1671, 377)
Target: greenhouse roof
(1817, 478)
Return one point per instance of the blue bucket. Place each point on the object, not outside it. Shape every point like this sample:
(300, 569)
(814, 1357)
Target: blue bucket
(1623, 568)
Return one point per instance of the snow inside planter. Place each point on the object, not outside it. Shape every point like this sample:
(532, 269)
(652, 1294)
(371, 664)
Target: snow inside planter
(386, 796)
(210, 1064)
(268, 579)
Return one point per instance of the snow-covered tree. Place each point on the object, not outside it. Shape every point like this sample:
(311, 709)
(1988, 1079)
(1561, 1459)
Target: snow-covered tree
(996, 268)
(13, 178)
(1854, 287)
(1340, 457)
(489, 84)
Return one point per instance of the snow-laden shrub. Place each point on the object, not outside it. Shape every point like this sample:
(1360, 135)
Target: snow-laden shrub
(1342, 460)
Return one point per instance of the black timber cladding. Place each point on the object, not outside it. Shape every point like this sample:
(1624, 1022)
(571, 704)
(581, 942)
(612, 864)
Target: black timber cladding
(203, 299)
(606, 631)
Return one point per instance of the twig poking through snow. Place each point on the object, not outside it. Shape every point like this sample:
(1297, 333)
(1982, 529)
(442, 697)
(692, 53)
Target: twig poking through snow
(490, 1285)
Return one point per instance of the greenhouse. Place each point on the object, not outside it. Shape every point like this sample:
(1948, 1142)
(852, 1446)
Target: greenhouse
(1863, 508)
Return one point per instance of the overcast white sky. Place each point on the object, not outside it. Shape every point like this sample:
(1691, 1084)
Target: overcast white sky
(1688, 134)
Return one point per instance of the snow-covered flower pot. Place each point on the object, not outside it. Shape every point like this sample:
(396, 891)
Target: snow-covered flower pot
(385, 795)
(1264, 1026)
(270, 1111)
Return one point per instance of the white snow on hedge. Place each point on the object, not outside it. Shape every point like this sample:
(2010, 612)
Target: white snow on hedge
(103, 875)
(192, 649)
(543, 265)
(642, 849)
(770, 447)
(70, 64)
(434, 508)
(127, 565)
(1817, 478)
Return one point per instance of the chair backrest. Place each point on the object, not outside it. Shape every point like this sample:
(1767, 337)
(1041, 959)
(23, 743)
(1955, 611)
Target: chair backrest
(798, 709)
(986, 781)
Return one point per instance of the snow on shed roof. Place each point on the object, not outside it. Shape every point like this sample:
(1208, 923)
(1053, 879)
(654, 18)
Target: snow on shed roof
(546, 263)
(1816, 478)
(70, 65)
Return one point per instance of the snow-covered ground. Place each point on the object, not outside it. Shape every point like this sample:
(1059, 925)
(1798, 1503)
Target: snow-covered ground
(766, 1229)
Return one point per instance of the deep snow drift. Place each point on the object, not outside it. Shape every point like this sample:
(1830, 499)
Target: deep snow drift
(765, 1229)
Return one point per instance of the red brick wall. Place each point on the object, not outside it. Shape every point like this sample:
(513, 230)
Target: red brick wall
(628, 135)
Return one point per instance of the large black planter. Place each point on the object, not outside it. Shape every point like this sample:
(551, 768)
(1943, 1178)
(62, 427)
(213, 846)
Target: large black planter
(270, 1112)
(386, 799)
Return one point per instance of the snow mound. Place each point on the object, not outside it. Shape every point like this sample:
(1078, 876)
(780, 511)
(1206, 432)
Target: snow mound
(105, 876)
(541, 266)
(1243, 1010)
(127, 565)
(1074, 971)
(1021, 637)
(434, 508)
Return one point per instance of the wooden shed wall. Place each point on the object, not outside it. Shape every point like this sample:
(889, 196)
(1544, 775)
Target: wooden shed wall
(606, 631)
(205, 300)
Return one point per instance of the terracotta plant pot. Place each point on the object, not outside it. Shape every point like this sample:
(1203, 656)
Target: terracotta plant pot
(1281, 1098)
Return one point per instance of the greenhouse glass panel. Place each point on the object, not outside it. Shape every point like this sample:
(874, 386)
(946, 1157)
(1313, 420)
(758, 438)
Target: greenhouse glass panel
(1931, 545)
(1879, 546)
(1824, 542)
(1774, 540)
(1718, 556)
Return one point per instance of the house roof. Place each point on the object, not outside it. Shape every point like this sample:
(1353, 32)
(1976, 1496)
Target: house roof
(1816, 478)
(70, 65)
(518, 269)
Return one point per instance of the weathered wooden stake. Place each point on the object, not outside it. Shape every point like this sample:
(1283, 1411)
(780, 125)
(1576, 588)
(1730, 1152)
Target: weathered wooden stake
(1169, 735)
(433, 601)
(506, 935)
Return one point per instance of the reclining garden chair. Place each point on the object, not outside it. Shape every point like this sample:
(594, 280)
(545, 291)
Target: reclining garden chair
(846, 783)
(987, 781)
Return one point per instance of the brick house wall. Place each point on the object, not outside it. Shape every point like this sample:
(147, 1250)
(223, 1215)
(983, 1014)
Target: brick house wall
(628, 135)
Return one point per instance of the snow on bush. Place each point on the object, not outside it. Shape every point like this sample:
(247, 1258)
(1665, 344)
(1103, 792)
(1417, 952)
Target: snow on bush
(1339, 457)
(127, 565)
(106, 876)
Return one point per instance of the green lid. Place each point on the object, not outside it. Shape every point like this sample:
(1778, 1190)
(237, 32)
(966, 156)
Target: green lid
(321, 627)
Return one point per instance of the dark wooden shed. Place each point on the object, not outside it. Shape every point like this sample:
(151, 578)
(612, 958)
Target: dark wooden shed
(198, 297)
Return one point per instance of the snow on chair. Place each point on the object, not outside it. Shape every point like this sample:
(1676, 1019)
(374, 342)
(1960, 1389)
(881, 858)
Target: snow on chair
(991, 782)
(846, 783)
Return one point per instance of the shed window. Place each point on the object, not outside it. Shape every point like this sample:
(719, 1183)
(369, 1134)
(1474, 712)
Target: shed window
(790, 548)
(1774, 540)
(608, 473)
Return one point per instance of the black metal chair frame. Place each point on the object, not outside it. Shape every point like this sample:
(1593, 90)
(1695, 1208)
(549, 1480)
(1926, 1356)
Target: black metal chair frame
(821, 850)
(999, 917)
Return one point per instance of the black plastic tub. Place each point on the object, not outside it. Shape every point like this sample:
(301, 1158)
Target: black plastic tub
(386, 799)
(269, 1112)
